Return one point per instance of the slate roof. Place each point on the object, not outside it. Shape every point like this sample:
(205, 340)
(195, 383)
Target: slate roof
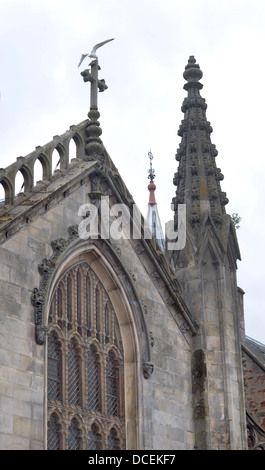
(256, 348)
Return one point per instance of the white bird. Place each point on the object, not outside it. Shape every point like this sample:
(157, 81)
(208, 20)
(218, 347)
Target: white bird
(93, 52)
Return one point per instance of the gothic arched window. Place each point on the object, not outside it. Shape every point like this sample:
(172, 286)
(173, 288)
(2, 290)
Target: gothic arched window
(85, 365)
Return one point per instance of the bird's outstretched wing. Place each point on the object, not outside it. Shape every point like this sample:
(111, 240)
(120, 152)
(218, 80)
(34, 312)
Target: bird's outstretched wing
(99, 45)
(93, 53)
(82, 58)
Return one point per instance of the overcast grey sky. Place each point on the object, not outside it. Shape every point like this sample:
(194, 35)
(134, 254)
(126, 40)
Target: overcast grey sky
(42, 94)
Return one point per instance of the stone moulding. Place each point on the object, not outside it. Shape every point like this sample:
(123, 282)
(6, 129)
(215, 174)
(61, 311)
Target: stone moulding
(39, 295)
(256, 435)
(46, 269)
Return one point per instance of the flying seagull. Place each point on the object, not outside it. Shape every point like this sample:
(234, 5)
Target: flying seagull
(93, 53)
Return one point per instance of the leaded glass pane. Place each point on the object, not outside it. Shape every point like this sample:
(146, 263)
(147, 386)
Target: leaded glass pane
(93, 379)
(54, 368)
(78, 297)
(106, 324)
(97, 310)
(113, 440)
(69, 300)
(73, 374)
(88, 311)
(59, 302)
(112, 384)
(53, 434)
(74, 439)
(94, 439)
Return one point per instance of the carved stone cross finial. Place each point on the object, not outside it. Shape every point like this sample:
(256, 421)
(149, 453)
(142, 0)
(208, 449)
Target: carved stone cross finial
(96, 84)
(92, 75)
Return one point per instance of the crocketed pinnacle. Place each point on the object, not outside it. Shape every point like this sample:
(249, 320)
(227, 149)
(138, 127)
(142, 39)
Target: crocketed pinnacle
(198, 178)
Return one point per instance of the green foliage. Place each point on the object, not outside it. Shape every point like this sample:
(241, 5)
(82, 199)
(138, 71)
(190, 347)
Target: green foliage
(236, 219)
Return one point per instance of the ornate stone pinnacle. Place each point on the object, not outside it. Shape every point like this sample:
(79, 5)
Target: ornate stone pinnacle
(197, 178)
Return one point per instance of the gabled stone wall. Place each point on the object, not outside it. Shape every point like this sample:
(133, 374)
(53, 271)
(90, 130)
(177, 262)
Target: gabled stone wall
(160, 417)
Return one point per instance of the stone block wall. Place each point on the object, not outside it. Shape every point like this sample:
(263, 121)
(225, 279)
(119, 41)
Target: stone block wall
(165, 401)
(21, 359)
(254, 382)
(167, 395)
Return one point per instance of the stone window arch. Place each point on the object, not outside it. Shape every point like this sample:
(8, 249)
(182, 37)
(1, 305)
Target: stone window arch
(2, 194)
(23, 180)
(94, 385)
(72, 149)
(95, 440)
(54, 436)
(74, 374)
(112, 384)
(42, 168)
(37, 171)
(74, 439)
(19, 183)
(76, 147)
(56, 160)
(8, 190)
(85, 373)
(123, 331)
(114, 441)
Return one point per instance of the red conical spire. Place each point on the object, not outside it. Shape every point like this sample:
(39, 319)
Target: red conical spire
(153, 218)
(151, 175)
(152, 187)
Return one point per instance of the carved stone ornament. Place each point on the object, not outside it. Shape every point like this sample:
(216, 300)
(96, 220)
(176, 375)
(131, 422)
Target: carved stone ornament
(139, 248)
(59, 245)
(46, 268)
(148, 368)
(152, 339)
(184, 327)
(256, 437)
(155, 276)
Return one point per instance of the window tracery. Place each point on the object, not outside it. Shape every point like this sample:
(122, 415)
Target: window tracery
(74, 436)
(85, 392)
(54, 433)
(94, 438)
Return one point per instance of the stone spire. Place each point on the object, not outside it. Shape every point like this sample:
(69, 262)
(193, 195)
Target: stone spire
(198, 178)
(152, 217)
(206, 270)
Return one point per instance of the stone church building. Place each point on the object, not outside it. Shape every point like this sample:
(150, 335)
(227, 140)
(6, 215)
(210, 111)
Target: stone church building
(109, 338)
